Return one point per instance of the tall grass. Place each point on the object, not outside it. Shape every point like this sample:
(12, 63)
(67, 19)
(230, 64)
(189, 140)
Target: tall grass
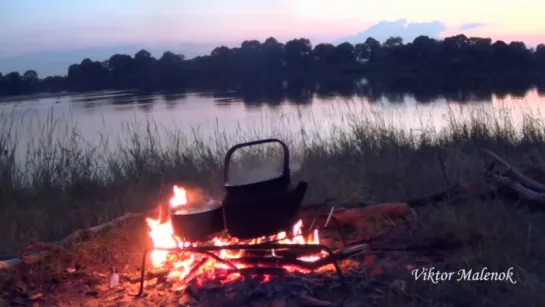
(65, 183)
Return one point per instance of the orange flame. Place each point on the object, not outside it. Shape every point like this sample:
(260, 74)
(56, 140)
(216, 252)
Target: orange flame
(179, 199)
(163, 237)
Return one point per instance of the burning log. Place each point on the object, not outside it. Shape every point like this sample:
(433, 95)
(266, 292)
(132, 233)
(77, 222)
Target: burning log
(191, 275)
(158, 273)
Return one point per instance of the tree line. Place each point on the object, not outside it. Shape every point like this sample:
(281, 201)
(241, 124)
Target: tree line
(255, 61)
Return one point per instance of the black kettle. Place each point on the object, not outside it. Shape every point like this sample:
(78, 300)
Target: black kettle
(263, 208)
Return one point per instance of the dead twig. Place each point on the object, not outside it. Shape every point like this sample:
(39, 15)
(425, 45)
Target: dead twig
(445, 176)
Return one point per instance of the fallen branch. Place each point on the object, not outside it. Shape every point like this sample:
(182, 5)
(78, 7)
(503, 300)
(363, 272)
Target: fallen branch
(352, 217)
(523, 193)
(476, 190)
(535, 157)
(525, 185)
(53, 247)
(39, 251)
(455, 194)
(356, 215)
(516, 175)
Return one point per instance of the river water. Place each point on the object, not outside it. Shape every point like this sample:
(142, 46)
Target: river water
(108, 114)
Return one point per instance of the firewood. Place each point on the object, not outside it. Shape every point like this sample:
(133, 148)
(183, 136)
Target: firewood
(357, 215)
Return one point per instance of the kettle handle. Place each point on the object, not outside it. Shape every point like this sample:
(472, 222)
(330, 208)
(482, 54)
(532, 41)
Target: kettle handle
(285, 168)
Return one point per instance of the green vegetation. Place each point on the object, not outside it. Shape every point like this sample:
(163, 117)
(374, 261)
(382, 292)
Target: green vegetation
(67, 185)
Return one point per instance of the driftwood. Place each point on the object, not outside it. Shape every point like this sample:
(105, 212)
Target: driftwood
(521, 191)
(515, 174)
(523, 185)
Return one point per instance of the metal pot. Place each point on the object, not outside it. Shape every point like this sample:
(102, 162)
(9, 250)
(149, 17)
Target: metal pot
(198, 223)
(261, 208)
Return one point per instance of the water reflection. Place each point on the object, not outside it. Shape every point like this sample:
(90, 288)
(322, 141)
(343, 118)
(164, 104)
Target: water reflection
(145, 103)
(124, 107)
(300, 91)
(303, 91)
(101, 96)
(122, 99)
(226, 101)
(173, 99)
(296, 106)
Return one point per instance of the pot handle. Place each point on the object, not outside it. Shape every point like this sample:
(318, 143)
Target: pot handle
(285, 168)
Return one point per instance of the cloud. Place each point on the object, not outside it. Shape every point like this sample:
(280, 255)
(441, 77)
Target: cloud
(471, 26)
(406, 30)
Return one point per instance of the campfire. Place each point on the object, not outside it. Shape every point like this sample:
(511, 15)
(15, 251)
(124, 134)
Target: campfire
(185, 261)
(256, 231)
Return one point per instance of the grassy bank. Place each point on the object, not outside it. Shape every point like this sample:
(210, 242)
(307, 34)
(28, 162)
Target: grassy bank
(66, 185)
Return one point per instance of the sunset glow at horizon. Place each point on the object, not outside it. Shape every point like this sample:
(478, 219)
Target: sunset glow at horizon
(35, 26)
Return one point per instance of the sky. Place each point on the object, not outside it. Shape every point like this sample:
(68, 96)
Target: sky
(50, 33)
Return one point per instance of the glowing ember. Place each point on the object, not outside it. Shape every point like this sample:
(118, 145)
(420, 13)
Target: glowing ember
(162, 235)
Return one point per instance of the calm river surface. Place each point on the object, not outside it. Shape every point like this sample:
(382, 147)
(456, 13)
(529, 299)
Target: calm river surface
(99, 114)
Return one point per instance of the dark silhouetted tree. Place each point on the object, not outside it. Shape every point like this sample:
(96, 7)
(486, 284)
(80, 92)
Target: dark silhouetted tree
(298, 53)
(253, 63)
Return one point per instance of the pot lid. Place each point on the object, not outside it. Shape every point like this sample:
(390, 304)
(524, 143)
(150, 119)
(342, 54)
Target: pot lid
(196, 208)
(251, 177)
